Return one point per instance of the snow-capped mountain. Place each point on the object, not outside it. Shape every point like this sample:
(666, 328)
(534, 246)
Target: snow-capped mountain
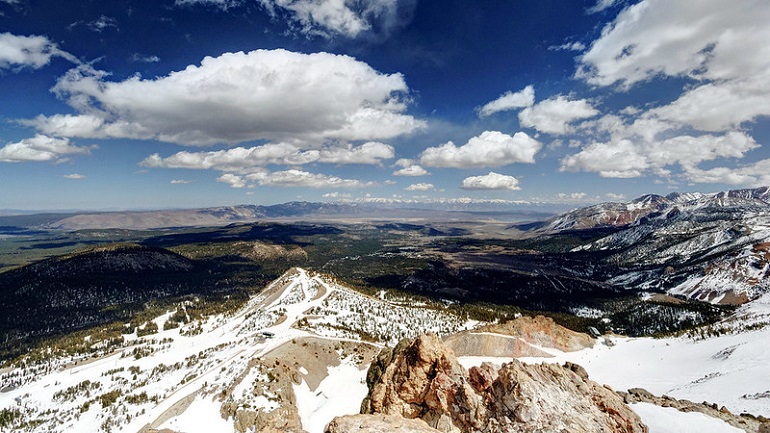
(281, 357)
(296, 356)
(709, 247)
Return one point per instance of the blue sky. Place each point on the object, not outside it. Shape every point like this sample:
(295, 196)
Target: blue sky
(190, 103)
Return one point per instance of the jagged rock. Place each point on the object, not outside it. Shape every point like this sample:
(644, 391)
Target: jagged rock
(377, 424)
(422, 379)
(744, 421)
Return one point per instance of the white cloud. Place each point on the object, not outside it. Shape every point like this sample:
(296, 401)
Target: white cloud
(241, 159)
(368, 153)
(291, 178)
(554, 115)
(756, 174)
(237, 97)
(615, 196)
(347, 18)
(490, 149)
(509, 101)
(572, 196)
(420, 187)
(76, 176)
(625, 158)
(568, 46)
(233, 180)
(718, 106)
(601, 5)
(411, 170)
(723, 50)
(336, 194)
(223, 4)
(180, 182)
(298, 178)
(25, 51)
(136, 57)
(491, 181)
(703, 39)
(41, 148)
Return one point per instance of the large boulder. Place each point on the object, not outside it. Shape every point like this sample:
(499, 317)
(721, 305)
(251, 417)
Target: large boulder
(422, 379)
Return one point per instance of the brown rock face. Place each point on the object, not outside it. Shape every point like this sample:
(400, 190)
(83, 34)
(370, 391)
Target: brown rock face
(377, 424)
(422, 379)
(542, 331)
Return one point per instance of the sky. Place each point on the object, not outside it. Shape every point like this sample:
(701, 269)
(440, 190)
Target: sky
(148, 104)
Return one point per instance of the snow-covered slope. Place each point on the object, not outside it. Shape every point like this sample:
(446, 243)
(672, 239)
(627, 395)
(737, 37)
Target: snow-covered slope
(295, 354)
(725, 364)
(185, 378)
(708, 247)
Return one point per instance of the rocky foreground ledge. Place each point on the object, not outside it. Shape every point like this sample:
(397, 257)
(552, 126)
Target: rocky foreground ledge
(422, 380)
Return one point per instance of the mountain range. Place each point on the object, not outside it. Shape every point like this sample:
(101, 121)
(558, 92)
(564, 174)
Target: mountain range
(639, 310)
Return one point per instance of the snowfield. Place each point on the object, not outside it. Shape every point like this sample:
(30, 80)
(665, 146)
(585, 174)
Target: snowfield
(179, 379)
(173, 378)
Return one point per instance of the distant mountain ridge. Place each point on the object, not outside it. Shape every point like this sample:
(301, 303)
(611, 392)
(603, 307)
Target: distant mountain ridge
(613, 214)
(223, 215)
(709, 247)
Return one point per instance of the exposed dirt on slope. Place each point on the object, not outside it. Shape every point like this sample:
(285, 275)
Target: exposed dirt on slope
(518, 338)
(302, 359)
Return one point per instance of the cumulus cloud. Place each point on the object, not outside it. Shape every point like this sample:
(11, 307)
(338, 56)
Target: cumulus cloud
(491, 181)
(755, 174)
(554, 115)
(490, 149)
(299, 178)
(411, 171)
(236, 97)
(409, 167)
(615, 196)
(180, 182)
(724, 56)
(703, 40)
(41, 148)
(723, 50)
(328, 18)
(75, 176)
(626, 159)
(18, 52)
(291, 178)
(241, 159)
(234, 180)
(509, 101)
(420, 187)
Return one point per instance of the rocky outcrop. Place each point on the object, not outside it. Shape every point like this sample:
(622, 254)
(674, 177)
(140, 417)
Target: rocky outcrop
(521, 337)
(472, 343)
(377, 424)
(542, 331)
(744, 421)
(422, 379)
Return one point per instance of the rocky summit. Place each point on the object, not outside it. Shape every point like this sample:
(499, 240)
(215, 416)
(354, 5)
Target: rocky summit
(422, 378)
